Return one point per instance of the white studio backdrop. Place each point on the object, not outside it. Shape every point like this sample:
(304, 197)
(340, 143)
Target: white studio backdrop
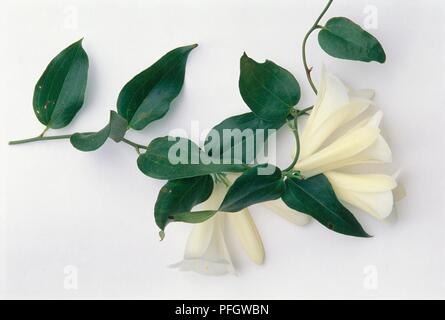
(65, 213)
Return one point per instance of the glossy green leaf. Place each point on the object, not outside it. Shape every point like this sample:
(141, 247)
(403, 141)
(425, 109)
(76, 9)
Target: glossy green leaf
(90, 141)
(181, 195)
(59, 93)
(245, 141)
(169, 158)
(344, 39)
(147, 97)
(315, 197)
(193, 217)
(259, 184)
(269, 90)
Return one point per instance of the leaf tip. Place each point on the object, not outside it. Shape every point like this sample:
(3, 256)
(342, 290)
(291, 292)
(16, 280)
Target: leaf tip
(382, 60)
(161, 235)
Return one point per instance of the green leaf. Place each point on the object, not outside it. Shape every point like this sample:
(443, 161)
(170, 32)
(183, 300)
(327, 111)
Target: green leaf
(344, 39)
(242, 145)
(169, 158)
(60, 91)
(315, 197)
(148, 95)
(259, 184)
(181, 195)
(193, 217)
(269, 90)
(90, 141)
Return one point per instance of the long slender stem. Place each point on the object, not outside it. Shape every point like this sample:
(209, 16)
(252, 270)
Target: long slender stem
(297, 113)
(67, 136)
(39, 138)
(306, 66)
(323, 12)
(304, 55)
(294, 128)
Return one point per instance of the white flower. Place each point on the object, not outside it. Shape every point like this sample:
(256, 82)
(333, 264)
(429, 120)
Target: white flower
(206, 250)
(320, 152)
(336, 106)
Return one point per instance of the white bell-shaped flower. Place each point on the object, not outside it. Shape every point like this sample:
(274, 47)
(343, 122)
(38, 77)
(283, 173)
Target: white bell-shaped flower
(362, 144)
(206, 250)
(336, 106)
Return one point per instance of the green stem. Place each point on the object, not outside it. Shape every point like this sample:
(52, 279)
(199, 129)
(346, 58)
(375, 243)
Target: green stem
(294, 128)
(134, 144)
(313, 28)
(44, 131)
(304, 111)
(67, 136)
(293, 124)
(39, 138)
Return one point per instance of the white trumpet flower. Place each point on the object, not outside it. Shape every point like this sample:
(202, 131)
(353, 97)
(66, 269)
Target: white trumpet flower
(336, 106)
(206, 250)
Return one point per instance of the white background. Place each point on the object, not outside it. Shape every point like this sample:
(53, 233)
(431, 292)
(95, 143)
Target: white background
(60, 207)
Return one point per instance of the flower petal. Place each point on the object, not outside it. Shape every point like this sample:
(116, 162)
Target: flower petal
(378, 204)
(199, 238)
(332, 94)
(362, 144)
(341, 150)
(361, 182)
(311, 141)
(362, 93)
(379, 152)
(244, 227)
(369, 192)
(280, 208)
